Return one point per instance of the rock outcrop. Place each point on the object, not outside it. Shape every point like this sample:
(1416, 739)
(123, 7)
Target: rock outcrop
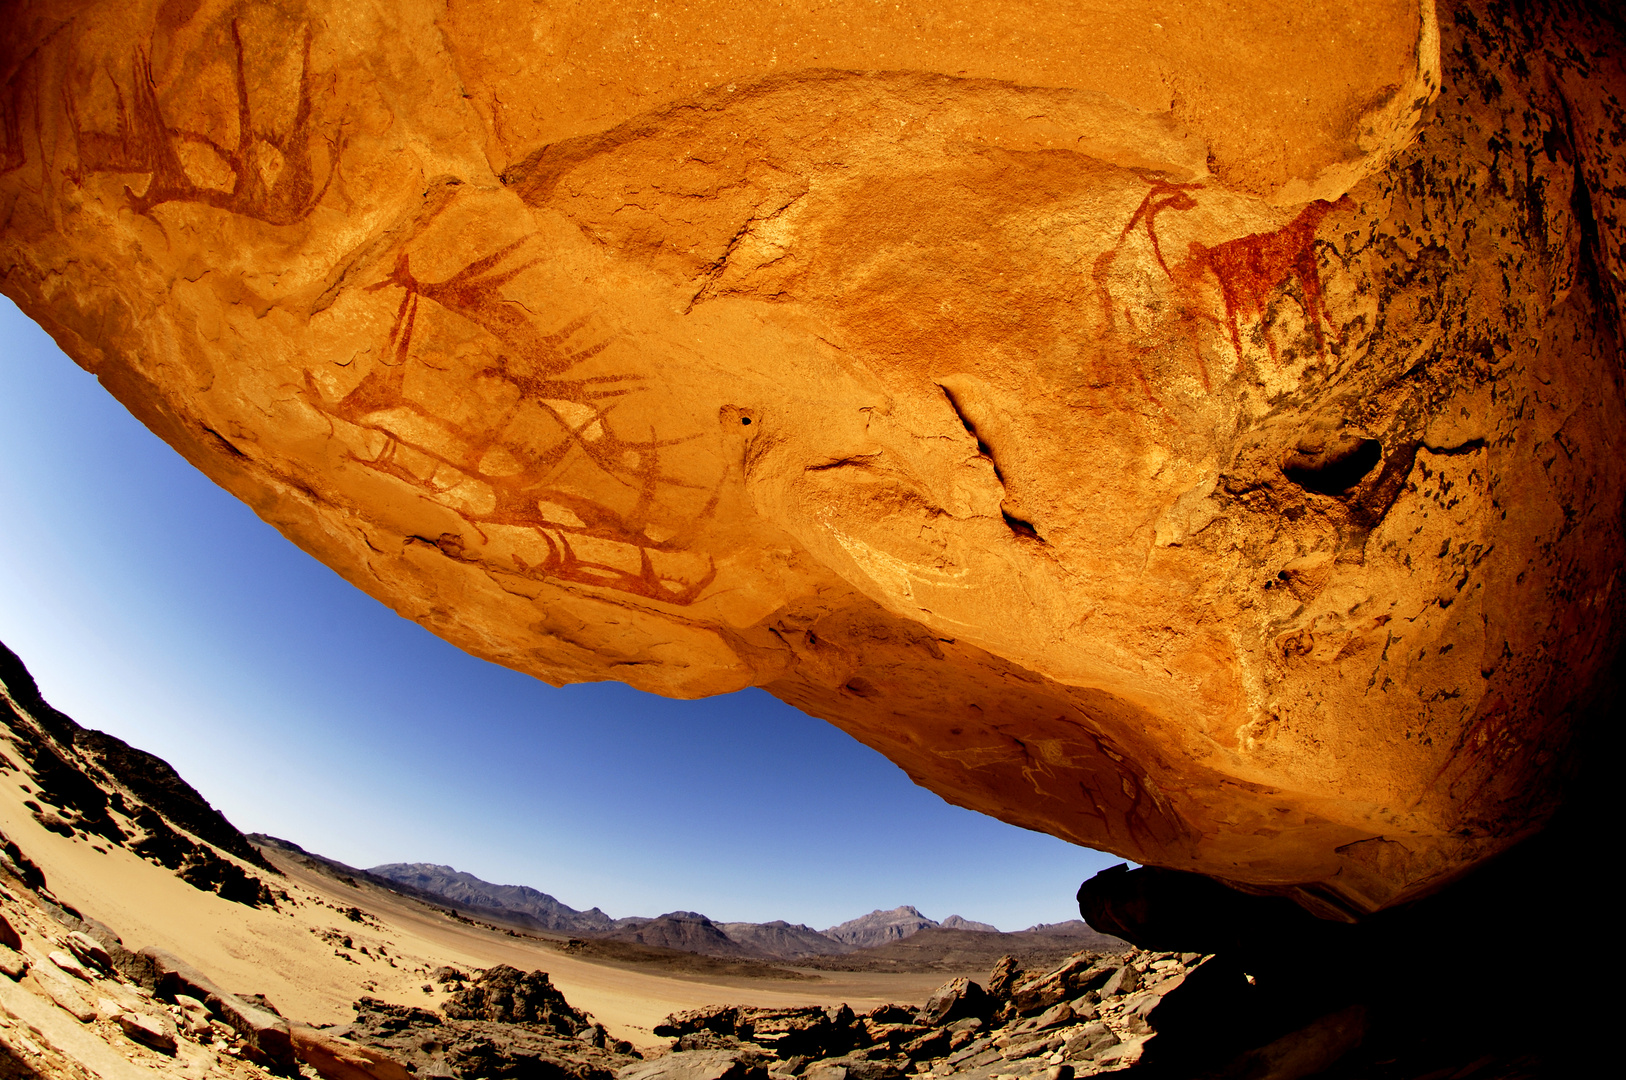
(962, 1029)
(91, 786)
(504, 1023)
(1195, 433)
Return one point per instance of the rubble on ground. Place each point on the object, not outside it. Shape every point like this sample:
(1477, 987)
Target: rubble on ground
(466, 1042)
(1089, 1014)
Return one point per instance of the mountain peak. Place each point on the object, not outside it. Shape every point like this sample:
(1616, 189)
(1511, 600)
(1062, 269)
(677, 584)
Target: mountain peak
(880, 927)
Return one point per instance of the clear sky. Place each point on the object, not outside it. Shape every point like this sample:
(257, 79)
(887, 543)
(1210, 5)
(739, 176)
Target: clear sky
(154, 606)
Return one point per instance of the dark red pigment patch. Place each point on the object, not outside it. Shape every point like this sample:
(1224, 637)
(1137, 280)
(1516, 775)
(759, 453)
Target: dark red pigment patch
(1248, 270)
(1251, 267)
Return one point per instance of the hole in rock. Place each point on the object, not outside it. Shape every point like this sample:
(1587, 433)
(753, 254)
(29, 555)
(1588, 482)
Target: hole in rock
(862, 687)
(1020, 527)
(1334, 465)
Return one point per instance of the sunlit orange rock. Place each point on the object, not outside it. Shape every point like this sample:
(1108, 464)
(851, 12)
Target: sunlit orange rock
(1191, 430)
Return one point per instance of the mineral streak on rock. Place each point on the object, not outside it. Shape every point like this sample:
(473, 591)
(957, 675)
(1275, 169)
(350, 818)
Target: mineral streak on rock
(1194, 434)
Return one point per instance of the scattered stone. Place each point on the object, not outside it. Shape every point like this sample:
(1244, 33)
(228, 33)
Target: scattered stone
(1084, 1008)
(1125, 1052)
(9, 936)
(706, 1040)
(53, 822)
(260, 1001)
(1123, 981)
(70, 965)
(90, 951)
(1089, 1041)
(715, 1018)
(13, 964)
(890, 1014)
(1079, 973)
(1026, 1048)
(891, 1036)
(60, 990)
(804, 1032)
(699, 1065)
(195, 1012)
(930, 1045)
(825, 1070)
(1060, 1013)
(147, 1031)
(340, 1059)
(955, 1000)
(1004, 976)
(265, 1033)
(862, 1067)
(973, 1056)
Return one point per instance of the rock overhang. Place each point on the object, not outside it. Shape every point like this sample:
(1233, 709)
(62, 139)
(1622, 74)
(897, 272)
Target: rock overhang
(1195, 436)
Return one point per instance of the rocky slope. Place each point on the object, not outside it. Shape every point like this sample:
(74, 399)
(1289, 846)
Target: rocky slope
(1191, 430)
(91, 785)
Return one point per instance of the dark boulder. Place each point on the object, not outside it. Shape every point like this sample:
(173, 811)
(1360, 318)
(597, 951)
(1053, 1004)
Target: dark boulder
(1004, 976)
(956, 999)
(719, 1019)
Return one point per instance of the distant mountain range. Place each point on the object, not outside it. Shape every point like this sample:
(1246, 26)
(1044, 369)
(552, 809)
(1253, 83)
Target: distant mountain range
(460, 888)
(89, 784)
(686, 931)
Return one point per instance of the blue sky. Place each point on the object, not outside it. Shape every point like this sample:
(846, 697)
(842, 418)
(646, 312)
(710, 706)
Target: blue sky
(152, 605)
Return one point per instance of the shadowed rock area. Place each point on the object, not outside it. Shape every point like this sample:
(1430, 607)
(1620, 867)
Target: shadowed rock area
(1193, 432)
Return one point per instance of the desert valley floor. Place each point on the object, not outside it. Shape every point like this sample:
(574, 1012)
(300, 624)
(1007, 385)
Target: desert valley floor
(290, 956)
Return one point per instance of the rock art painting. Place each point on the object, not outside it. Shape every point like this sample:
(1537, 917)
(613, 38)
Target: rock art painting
(1194, 434)
(516, 462)
(262, 174)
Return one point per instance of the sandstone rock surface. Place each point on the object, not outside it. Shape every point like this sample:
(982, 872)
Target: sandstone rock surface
(1195, 432)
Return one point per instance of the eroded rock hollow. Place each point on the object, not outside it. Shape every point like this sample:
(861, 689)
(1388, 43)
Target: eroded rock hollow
(1192, 431)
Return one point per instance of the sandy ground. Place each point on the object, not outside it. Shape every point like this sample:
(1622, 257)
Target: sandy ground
(295, 957)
